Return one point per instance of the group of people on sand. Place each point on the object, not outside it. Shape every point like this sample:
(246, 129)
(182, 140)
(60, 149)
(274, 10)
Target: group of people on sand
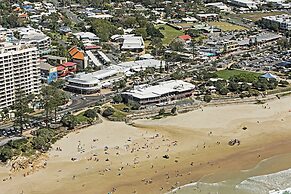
(135, 152)
(59, 149)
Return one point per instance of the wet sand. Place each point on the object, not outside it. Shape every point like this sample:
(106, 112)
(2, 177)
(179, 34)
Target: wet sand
(157, 156)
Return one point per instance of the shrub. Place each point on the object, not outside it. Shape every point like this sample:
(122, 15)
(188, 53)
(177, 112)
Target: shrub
(207, 98)
(174, 110)
(284, 83)
(117, 98)
(90, 113)
(6, 153)
(162, 111)
(69, 121)
(134, 105)
(108, 112)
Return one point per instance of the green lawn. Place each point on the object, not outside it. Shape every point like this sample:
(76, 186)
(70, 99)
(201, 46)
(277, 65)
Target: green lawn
(226, 74)
(170, 33)
(258, 15)
(81, 118)
(119, 115)
(225, 26)
(120, 106)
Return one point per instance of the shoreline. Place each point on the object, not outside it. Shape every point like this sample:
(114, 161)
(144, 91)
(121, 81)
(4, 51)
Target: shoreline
(139, 165)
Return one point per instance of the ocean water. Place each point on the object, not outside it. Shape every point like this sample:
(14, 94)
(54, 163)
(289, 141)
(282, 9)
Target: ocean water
(257, 180)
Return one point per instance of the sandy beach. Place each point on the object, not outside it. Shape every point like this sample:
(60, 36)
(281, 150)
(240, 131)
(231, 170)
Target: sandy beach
(156, 156)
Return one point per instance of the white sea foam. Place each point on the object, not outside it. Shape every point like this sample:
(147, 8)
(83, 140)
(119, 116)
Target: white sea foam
(198, 185)
(266, 183)
(285, 191)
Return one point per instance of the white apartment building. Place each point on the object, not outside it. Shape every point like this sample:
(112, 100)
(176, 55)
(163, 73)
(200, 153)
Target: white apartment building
(244, 3)
(19, 68)
(283, 21)
(35, 37)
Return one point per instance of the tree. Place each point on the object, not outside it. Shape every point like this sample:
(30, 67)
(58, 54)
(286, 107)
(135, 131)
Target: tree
(39, 143)
(134, 105)
(21, 108)
(5, 113)
(162, 111)
(117, 98)
(223, 91)
(129, 22)
(157, 43)
(174, 110)
(141, 32)
(69, 121)
(177, 45)
(47, 93)
(193, 32)
(51, 98)
(233, 86)
(153, 32)
(6, 153)
(108, 112)
(90, 113)
(104, 29)
(207, 98)
(193, 45)
(60, 83)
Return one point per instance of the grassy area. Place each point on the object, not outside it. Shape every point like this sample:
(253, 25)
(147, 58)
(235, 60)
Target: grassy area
(119, 115)
(225, 26)
(81, 118)
(170, 33)
(255, 16)
(226, 74)
(279, 90)
(120, 106)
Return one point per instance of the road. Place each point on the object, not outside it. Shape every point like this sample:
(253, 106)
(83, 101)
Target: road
(6, 140)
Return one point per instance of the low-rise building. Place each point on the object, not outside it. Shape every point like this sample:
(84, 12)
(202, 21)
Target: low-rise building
(78, 57)
(35, 37)
(133, 43)
(83, 83)
(87, 38)
(207, 17)
(65, 30)
(244, 3)
(54, 60)
(48, 73)
(163, 92)
(140, 65)
(89, 83)
(282, 22)
(219, 5)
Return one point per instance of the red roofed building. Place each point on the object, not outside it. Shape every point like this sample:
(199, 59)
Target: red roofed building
(185, 37)
(62, 72)
(70, 66)
(78, 57)
(92, 47)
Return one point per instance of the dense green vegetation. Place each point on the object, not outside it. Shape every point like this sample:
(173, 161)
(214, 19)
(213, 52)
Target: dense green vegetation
(114, 114)
(104, 29)
(43, 138)
(41, 142)
(240, 74)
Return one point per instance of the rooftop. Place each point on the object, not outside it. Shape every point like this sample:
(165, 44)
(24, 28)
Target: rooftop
(149, 91)
(133, 42)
